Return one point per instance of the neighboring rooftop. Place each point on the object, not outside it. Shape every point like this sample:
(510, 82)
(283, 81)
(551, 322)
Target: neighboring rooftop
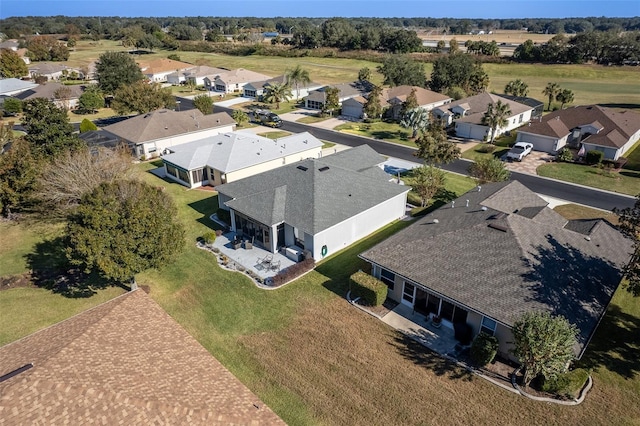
(48, 91)
(424, 96)
(500, 258)
(11, 86)
(123, 362)
(345, 90)
(163, 65)
(615, 127)
(239, 75)
(165, 123)
(476, 106)
(233, 151)
(314, 194)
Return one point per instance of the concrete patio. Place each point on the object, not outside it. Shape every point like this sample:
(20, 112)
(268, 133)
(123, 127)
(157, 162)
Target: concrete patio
(250, 258)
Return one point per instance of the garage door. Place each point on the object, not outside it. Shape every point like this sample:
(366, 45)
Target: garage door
(463, 130)
(352, 111)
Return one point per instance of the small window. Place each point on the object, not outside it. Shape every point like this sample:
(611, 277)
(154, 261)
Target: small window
(488, 326)
(388, 278)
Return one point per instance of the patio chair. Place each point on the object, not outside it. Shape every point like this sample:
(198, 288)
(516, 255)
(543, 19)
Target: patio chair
(265, 262)
(248, 245)
(236, 244)
(275, 266)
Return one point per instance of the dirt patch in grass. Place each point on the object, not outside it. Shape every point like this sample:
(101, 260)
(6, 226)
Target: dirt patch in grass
(16, 281)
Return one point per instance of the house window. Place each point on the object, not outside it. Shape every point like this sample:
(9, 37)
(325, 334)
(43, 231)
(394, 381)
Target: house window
(314, 104)
(172, 170)
(183, 176)
(520, 118)
(388, 278)
(408, 293)
(299, 239)
(488, 326)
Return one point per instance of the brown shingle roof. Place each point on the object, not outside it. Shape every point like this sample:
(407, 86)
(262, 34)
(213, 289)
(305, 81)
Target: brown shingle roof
(477, 105)
(124, 362)
(617, 127)
(424, 96)
(165, 123)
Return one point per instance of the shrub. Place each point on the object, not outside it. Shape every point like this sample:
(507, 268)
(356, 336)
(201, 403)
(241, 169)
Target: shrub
(224, 215)
(484, 349)
(564, 155)
(293, 271)
(371, 289)
(209, 237)
(486, 148)
(568, 384)
(594, 157)
(87, 125)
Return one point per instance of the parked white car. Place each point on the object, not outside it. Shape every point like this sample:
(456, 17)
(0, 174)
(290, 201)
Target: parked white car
(519, 151)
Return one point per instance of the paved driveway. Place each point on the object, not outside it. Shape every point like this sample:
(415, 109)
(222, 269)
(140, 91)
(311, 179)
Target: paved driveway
(530, 162)
(230, 102)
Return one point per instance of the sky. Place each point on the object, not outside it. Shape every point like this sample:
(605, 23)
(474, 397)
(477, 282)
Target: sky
(496, 9)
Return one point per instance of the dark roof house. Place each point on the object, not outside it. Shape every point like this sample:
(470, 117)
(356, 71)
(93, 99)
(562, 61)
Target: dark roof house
(498, 252)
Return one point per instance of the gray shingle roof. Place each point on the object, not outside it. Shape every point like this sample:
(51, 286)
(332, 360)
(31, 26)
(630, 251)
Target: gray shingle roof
(477, 105)
(165, 123)
(313, 194)
(531, 264)
(345, 90)
(233, 151)
(48, 91)
(10, 85)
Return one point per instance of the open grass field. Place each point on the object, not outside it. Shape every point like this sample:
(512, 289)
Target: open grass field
(624, 182)
(316, 360)
(590, 83)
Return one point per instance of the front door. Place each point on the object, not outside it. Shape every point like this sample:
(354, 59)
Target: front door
(408, 294)
(420, 304)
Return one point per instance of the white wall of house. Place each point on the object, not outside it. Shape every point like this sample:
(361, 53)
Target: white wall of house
(608, 152)
(472, 131)
(542, 143)
(273, 164)
(153, 148)
(349, 231)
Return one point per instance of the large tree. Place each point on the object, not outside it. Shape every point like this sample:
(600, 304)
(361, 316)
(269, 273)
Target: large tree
(411, 102)
(543, 344)
(65, 180)
(401, 70)
(19, 169)
(141, 98)
(373, 106)
(204, 103)
(458, 70)
(91, 100)
(415, 119)
(427, 181)
(630, 226)
(276, 93)
(12, 65)
(551, 91)
(331, 100)
(517, 88)
(496, 116)
(116, 69)
(434, 147)
(564, 97)
(489, 169)
(122, 228)
(48, 129)
(298, 76)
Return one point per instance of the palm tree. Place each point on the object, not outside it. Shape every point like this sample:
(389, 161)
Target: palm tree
(415, 119)
(551, 91)
(517, 88)
(496, 117)
(298, 76)
(564, 97)
(276, 93)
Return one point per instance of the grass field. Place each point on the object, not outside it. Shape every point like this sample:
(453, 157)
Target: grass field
(624, 182)
(315, 359)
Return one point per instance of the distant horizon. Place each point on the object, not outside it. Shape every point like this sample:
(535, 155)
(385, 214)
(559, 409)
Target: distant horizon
(464, 9)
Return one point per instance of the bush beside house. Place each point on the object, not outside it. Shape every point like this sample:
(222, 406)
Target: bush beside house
(567, 384)
(293, 271)
(484, 349)
(371, 289)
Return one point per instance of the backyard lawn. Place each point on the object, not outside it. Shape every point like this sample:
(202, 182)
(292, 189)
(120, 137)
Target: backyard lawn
(390, 132)
(624, 182)
(316, 360)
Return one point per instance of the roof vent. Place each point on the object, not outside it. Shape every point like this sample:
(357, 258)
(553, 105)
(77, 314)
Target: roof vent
(303, 168)
(484, 208)
(498, 227)
(324, 169)
(436, 221)
(479, 188)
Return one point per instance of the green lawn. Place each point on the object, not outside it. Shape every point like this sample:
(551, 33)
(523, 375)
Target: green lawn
(624, 182)
(75, 117)
(311, 119)
(633, 158)
(390, 132)
(275, 134)
(316, 360)
(498, 149)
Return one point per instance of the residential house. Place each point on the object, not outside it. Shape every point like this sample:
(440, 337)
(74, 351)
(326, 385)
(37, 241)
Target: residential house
(14, 86)
(63, 96)
(53, 71)
(315, 206)
(157, 70)
(195, 74)
(317, 98)
(538, 106)
(498, 252)
(257, 89)
(14, 45)
(613, 132)
(467, 115)
(232, 81)
(228, 157)
(125, 361)
(151, 134)
(394, 98)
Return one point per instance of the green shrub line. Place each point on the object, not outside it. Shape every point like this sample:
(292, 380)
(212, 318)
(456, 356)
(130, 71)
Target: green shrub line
(293, 272)
(568, 384)
(484, 349)
(371, 289)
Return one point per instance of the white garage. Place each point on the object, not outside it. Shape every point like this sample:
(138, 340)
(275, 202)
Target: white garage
(471, 131)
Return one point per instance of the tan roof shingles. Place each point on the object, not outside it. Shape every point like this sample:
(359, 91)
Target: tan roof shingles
(124, 361)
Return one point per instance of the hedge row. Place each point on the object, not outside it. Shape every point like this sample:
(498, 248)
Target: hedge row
(371, 289)
(293, 271)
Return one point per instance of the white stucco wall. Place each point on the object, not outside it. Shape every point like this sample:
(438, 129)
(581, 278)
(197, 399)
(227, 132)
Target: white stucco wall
(542, 143)
(347, 232)
(161, 144)
(273, 164)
